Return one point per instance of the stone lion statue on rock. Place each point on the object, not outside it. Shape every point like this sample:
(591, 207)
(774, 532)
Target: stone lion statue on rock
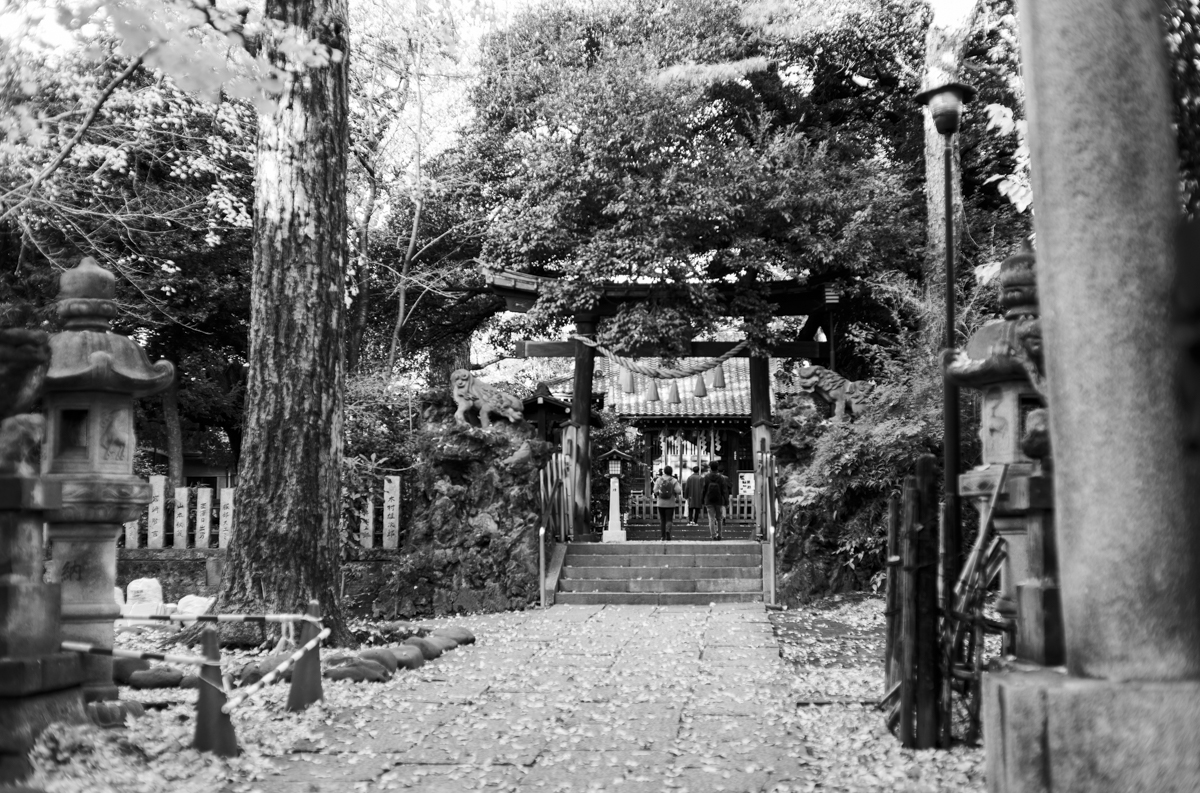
(845, 395)
(469, 391)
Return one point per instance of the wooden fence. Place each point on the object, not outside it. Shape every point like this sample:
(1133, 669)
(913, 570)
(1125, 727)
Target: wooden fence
(203, 518)
(641, 508)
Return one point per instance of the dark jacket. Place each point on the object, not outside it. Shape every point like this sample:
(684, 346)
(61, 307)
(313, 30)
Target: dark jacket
(716, 489)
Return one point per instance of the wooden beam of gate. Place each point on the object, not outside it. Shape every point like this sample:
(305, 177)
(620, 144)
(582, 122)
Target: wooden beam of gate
(812, 350)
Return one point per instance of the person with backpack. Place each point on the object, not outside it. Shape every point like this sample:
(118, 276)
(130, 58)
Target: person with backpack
(716, 497)
(667, 494)
(693, 488)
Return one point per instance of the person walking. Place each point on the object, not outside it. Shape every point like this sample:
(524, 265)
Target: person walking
(668, 495)
(693, 489)
(716, 498)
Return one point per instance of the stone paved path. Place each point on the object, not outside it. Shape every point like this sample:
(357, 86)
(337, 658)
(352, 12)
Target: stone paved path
(638, 699)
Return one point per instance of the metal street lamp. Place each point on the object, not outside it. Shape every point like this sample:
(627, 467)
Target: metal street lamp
(945, 104)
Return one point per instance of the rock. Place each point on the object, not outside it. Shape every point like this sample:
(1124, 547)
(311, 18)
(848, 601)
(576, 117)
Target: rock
(457, 633)
(266, 665)
(248, 675)
(124, 667)
(398, 630)
(194, 604)
(190, 681)
(358, 670)
(444, 642)
(144, 596)
(407, 656)
(381, 656)
(427, 648)
(156, 677)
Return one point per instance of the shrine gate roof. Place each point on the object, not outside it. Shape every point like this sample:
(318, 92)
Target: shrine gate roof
(731, 403)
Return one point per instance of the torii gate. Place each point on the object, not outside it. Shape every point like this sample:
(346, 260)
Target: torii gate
(520, 291)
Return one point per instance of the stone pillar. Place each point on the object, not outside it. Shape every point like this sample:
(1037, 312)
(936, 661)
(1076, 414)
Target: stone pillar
(760, 437)
(38, 684)
(1106, 186)
(1127, 716)
(88, 450)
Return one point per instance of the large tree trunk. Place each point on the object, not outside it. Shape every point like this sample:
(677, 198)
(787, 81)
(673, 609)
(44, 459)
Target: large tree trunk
(174, 432)
(445, 358)
(285, 544)
(945, 42)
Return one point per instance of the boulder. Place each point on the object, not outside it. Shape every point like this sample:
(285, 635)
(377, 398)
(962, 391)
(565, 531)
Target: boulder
(124, 667)
(190, 681)
(407, 656)
(427, 648)
(444, 642)
(194, 604)
(457, 633)
(381, 656)
(156, 677)
(358, 670)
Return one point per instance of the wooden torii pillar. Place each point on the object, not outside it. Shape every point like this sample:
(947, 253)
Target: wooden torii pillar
(577, 437)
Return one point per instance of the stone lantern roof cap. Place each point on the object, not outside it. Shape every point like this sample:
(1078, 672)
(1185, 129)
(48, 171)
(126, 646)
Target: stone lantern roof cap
(87, 356)
(1018, 283)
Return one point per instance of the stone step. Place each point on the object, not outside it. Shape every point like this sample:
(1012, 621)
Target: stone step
(662, 585)
(691, 534)
(692, 573)
(655, 598)
(660, 547)
(664, 560)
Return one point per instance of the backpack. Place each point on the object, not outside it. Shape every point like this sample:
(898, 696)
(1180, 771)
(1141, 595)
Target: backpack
(713, 491)
(666, 488)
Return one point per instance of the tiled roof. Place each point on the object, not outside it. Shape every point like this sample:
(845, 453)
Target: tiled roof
(732, 401)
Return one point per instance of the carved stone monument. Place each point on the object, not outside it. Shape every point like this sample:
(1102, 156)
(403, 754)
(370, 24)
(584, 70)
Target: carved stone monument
(471, 392)
(38, 684)
(93, 378)
(846, 396)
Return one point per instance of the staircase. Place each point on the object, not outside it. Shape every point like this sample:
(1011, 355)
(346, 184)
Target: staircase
(683, 531)
(661, 573)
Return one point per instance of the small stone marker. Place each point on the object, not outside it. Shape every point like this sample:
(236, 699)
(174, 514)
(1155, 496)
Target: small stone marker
(131, 534)
(203, 516)
(182, 501)
(194, 604)
(156, 511)
(391, 511)
(143, 597)
(225, 524)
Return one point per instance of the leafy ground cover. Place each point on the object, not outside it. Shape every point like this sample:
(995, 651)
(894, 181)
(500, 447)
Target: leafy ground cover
(836, 646)
(576, 698)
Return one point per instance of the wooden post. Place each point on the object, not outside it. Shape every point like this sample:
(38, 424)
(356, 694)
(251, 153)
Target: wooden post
(156, 512)
(581, 416)
(203, 516)
(180, 525)
(391, 511)
(927, 641)
(760, 435)
(908, 623)
(892, 600)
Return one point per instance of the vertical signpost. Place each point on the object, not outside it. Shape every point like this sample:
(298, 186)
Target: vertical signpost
(182, 501)
(203, 516)
(391, 511)
(225, 521)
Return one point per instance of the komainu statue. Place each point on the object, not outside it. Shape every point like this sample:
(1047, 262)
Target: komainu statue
(469, 392)
(845, 395)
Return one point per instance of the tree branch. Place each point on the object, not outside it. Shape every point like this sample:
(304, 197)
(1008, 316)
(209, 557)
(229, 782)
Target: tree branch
(74, 141)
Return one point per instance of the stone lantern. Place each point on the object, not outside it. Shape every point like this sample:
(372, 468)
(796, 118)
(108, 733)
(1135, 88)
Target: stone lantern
(1002, 362)
(88, 450)
(618, 463)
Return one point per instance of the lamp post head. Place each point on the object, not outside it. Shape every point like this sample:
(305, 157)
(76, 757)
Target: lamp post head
(945, 104)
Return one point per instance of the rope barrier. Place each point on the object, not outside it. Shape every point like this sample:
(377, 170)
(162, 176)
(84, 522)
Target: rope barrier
(263, 618)
(271, 676)
(91, 649)
(658, 372)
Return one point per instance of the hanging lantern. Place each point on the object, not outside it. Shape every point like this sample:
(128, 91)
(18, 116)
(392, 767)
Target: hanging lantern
(673, 394)
(626, 381)
(700, 390)
(651, 394)
(719, 377)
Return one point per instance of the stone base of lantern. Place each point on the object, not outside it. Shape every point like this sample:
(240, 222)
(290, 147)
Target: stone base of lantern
(1049, 732)
(34, 692)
